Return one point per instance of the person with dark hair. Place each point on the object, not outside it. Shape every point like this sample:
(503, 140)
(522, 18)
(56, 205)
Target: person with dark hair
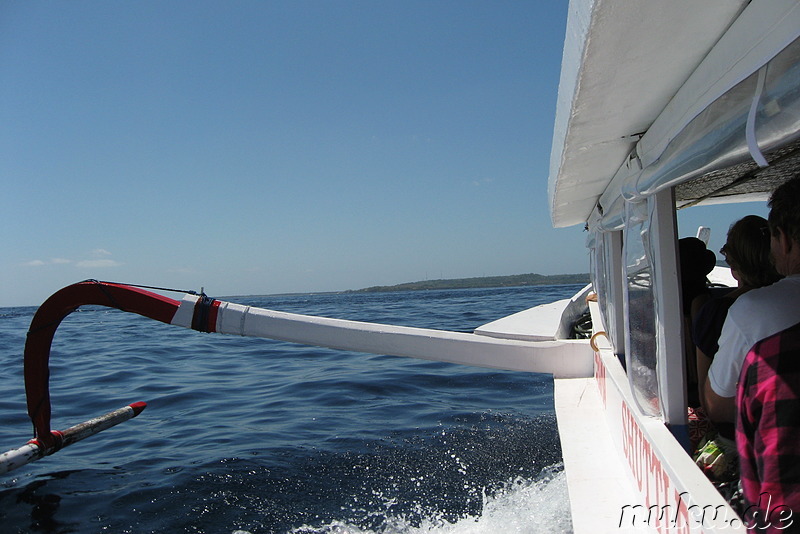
(695, 262)
(762, 312)
(747, 252)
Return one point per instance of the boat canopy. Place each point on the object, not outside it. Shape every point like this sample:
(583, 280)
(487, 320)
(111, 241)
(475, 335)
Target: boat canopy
(665, 93)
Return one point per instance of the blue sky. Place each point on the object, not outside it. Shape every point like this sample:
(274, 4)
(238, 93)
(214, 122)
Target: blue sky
(266, 147)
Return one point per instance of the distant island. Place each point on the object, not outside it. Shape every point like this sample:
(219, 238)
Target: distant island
(515, 280)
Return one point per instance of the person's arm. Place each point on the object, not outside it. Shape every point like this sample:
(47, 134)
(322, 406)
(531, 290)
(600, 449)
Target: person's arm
(719, 389)
(719, 409)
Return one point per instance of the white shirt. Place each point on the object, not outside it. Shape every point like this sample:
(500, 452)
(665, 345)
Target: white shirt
(757, 314)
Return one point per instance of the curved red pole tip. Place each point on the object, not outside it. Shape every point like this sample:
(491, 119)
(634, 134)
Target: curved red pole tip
(49, 316)
(138, 407)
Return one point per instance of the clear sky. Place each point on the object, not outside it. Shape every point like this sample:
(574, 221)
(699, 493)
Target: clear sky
(267, 147)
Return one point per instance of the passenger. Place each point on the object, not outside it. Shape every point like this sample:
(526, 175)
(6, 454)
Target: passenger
(696, 261)
(747, 251)
(768, 432)
(761, 312)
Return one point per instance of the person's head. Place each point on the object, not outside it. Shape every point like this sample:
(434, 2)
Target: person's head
(696, 261)
(747, 251)
(784, 225)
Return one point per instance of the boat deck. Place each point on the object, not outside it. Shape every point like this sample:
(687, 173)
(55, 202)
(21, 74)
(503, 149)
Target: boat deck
(545, 322)
(535, 324)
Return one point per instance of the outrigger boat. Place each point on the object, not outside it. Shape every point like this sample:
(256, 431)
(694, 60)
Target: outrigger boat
(662, 106)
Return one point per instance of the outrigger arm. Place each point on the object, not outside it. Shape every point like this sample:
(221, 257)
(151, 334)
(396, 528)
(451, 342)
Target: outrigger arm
(561, 358)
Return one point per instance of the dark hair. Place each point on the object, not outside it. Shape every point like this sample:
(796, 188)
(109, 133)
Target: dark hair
(784, 212)
(747, 251)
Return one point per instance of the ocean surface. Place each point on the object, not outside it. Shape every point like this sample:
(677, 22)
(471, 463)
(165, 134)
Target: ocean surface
(247, 435)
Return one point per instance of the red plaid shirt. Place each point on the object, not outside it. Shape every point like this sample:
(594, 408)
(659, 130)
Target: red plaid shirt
(768, 432)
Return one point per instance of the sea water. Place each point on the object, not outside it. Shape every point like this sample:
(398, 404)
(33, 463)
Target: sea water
(255, 436)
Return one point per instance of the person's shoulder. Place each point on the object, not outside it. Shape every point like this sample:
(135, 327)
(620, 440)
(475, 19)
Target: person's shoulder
(785, 288)
(784, 341)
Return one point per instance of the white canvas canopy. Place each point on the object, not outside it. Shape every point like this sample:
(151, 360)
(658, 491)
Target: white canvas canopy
(637, 78)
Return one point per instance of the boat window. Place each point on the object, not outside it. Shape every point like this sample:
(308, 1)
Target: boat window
(640, 319)
(602, 268)
(597, 271)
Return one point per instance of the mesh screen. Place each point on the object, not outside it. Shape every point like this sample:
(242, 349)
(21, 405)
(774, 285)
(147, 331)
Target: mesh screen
(744, 178)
